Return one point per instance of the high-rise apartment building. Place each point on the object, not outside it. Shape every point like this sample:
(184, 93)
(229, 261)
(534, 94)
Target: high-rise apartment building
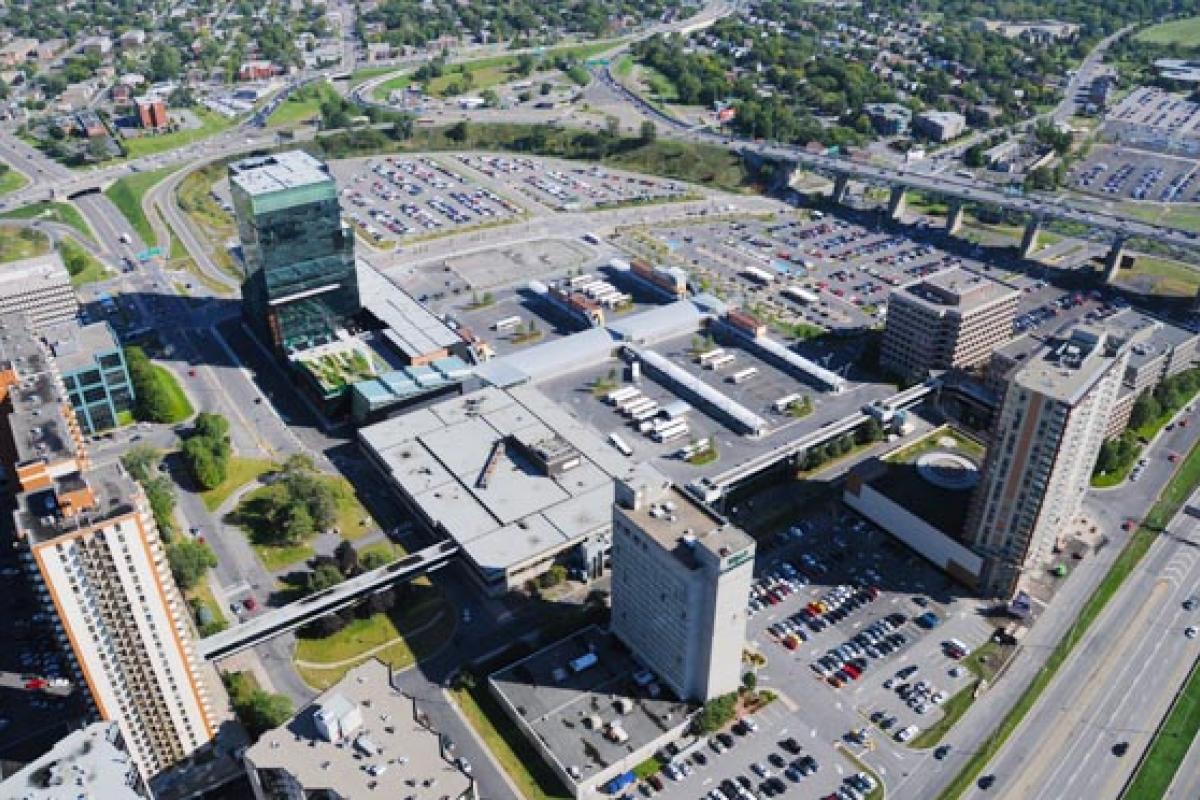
(91, 762)
(680, 581)
(1044, 444)
(101, 571)
(39, 287)
(92, 365)
(950, 320)
(301, 286)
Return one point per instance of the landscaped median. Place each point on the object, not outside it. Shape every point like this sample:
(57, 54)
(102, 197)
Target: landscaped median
(127, 195)
(1170, 500)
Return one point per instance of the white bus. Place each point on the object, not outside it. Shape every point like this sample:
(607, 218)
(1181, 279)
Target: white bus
(719, 362)
(625, 402)
(617, 395)
(741, 376)
(709, 355)
(759, 276)
(800, 295)
(784, 403)
(506, 324)
(641, 405)
(619, 443)
(645, 413)
(669, 434)
(580, 280)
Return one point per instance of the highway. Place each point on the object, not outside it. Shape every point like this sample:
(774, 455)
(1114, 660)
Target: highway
(1023, 751)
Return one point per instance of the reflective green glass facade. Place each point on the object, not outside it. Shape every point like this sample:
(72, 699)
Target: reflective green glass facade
(300, 282)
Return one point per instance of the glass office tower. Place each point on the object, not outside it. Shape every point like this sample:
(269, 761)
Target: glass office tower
(300, 283)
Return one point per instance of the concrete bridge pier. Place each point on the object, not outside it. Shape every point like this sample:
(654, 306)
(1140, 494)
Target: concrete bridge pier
(954, 216)
(841, 184)
(1112, 262)
(897, 203)
(1029, 240)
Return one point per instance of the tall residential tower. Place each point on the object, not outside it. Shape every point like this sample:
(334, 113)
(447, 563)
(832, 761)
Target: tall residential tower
(1045, 440)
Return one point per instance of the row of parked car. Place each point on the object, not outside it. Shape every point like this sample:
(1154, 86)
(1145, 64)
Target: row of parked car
(847, 662)
(771, 588)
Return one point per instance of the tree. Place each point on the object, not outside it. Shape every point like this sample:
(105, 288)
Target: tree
(97, 148)
(490, 98)
(140, 461)
(871, 431)
(205, 468)
(261, 711)
(347, 559)
(213, 426)
(458, 132)
(189, 561)
(750, 681)
(525, 64)
(545, 88)
(165, 62)
(649, 131)
(716, 713)
(297, 523)
(1146, 409)
(323, 577)
(372, 559)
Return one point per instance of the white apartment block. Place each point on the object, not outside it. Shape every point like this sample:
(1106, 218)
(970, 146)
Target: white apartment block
(1045, 440)
(680, 581)
(40, 287)
(101, 571)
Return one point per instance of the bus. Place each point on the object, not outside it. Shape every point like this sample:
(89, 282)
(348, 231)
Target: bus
(667, 434)
(784, 403)
(580, 280)
(645, 413)
(719, 362)
(759, 276)
(625, 392)
(741, 376)
(506, 324)
(619, 443)
(709, 355)
(800, 295)
(639, 405)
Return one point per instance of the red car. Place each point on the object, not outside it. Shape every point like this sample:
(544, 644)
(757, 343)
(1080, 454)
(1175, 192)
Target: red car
(250, 603)
(36, 683)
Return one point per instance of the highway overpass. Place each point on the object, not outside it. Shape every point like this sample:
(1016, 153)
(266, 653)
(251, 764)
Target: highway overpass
(276, 621)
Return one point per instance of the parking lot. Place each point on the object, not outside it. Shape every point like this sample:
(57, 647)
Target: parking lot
(38, 703)
(567, 186)
(862, 576)
(811, 271)
(402, 198)
(1126, 173)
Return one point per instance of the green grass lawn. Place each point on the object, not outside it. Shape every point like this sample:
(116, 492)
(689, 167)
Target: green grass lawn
(94, 271)
(302, 105)
(487, 72)
(241, 471)
(202, 593)
(196, 200)
(390, 550)
(364, 635)
(127, 194)
(1170, 744)
(11, 180)
(179, 407)
(211, 123)
(659, 85)
(353, 521)
(64, 213)
(930, 443)
(1182, 32)
(1170, 278)
(1170, 500)
(19, 243)
(366, 73)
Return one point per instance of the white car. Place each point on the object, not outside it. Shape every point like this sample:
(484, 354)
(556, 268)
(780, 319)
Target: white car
(905, 734)
(1190, 631)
